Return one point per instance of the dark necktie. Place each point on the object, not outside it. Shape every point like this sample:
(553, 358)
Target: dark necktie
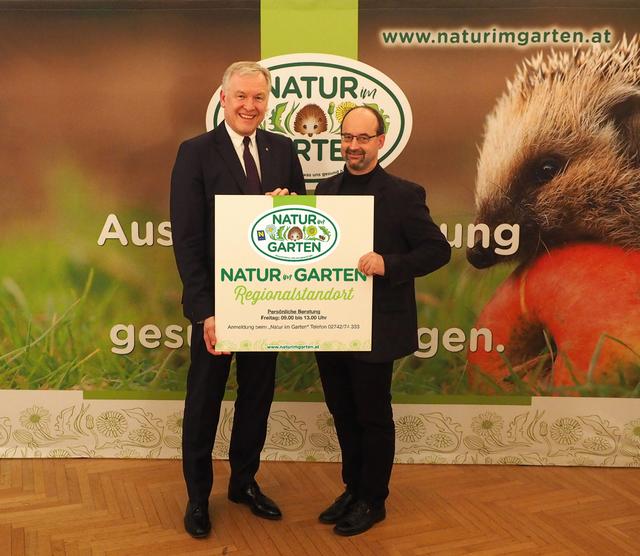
(253, 178)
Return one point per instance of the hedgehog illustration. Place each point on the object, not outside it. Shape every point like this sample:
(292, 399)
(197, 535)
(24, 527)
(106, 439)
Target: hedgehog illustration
(294, 234)
(561, 153)
(310, 120)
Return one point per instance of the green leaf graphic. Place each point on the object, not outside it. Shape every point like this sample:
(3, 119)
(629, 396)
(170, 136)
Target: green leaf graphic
(385, 117)
(326, 232)
(287, 121)
(276, 118)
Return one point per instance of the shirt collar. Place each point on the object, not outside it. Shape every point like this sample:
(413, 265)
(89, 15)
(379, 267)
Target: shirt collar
(237, 139)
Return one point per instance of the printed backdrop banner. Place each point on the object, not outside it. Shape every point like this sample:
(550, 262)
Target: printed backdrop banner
(520, 122)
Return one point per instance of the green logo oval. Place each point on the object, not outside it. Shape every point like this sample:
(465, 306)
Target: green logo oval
(311, 93)
(294, 234)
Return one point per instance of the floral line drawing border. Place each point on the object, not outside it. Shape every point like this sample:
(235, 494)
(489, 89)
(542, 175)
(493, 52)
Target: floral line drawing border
(551, 431)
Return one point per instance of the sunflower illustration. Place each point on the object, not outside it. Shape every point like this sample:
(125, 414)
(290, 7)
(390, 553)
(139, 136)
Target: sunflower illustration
(343, 108)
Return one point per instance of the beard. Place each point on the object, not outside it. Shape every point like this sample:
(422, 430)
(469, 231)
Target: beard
(359, 163)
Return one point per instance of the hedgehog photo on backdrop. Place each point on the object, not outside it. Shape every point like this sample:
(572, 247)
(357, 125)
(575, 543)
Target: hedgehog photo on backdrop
(561, 153)
(561, 159)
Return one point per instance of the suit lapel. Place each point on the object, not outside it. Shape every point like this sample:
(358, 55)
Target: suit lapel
(265, 154)
(224, 146)
(382, 203)
(380, 186)
(334, 186)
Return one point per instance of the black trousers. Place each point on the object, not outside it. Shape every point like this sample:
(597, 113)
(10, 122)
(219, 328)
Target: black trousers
(358, 395)
(206, 383)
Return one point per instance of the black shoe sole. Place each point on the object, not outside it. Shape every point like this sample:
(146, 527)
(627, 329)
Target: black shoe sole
(266, 516)
(254, 511)
(357, 531)
(332, 521)
(197, 535)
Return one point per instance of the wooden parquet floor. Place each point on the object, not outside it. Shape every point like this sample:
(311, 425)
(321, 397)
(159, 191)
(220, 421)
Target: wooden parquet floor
(133, 507)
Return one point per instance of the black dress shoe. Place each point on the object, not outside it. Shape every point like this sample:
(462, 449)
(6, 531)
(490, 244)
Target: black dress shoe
(196, 520)
(360, 517)
(338, 509)
(260, 504)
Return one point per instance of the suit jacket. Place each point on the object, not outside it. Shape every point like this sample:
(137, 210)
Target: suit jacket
(207, 166)
(411, 245)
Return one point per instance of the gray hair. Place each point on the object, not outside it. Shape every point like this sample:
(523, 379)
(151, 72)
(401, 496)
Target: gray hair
(245, 68)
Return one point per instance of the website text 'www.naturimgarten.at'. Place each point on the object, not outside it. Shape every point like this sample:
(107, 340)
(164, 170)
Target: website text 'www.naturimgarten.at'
(493, 36)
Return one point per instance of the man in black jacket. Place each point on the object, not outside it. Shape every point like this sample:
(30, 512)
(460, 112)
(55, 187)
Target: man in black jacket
(357, 385)
(236, 158)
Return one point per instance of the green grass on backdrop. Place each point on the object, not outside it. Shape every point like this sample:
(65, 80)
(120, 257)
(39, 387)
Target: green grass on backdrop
(60, 294)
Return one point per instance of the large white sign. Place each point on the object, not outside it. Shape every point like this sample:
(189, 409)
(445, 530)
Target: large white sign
(286, 275)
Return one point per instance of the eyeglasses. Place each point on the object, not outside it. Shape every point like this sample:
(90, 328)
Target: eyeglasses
(362, 139)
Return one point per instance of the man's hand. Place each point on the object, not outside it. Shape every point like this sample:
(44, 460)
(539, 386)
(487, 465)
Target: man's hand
(279, 191)
(210, 337)
(371, 263)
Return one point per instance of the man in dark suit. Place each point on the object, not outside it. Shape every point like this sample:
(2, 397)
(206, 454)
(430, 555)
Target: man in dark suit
(357, 385)
(236, 158)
